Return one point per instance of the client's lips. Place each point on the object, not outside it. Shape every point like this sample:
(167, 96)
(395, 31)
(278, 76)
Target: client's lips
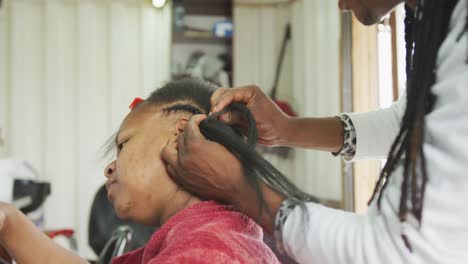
(109, 183)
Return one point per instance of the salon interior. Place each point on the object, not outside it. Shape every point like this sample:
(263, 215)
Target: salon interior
(69, 69)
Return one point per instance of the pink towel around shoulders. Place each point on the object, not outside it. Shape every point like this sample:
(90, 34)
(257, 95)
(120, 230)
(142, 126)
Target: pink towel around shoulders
(206, 233)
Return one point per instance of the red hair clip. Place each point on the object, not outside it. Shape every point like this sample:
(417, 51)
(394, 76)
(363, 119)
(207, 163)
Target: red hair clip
(135, 102)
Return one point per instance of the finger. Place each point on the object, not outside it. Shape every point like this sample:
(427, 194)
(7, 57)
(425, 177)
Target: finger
(217, 94)
(170, 155)
(190, 135)
(232, 118)
(173, 173)
(195, 121)
(222, 101)
(2, 220)
(240, 95)
(192, 129)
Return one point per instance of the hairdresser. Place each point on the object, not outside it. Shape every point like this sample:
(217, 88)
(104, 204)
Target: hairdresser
(419, 210)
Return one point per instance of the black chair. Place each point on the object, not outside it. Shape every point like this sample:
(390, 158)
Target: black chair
(29, 195)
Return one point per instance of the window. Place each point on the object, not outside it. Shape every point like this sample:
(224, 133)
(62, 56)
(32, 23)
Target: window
(391, 57)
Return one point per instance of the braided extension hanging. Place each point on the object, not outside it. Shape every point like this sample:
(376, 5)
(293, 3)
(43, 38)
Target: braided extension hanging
(426, 28)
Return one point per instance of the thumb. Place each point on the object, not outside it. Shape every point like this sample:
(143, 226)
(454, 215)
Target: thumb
(192, 130)
(2, 220)
(232, 118)
(170, 155)
(173, 173)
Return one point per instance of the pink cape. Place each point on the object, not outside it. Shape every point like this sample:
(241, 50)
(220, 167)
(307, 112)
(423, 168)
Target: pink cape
(206, 232)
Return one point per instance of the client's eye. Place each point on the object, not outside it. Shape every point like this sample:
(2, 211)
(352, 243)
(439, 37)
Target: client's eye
(121, 145)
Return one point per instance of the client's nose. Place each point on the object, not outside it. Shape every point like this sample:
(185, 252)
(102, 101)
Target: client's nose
(110, 169)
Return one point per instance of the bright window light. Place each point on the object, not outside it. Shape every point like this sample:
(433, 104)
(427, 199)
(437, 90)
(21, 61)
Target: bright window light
(159, 3)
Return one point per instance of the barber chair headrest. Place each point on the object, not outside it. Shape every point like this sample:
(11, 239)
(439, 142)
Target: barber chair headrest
(104, 222)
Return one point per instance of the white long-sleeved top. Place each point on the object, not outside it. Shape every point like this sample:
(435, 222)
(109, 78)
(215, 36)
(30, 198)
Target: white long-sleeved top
(333, 236)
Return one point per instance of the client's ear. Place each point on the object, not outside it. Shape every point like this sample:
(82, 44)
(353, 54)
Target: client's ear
(181, 123)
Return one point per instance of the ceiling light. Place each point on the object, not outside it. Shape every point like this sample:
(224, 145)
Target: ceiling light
(159, 3)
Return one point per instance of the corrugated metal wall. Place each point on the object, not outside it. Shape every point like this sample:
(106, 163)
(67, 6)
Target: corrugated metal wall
(310, 78)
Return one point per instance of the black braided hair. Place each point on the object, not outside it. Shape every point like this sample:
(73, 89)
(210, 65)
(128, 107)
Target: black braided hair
(425, 30)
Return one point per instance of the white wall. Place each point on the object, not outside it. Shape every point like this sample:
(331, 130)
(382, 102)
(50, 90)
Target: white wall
(68, 71)
(316, 81)
(310, 79)
(3, 79)
(258, 36)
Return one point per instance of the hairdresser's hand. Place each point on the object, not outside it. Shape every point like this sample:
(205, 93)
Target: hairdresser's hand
(201, 166)
(210, 171)
(2, 219)
(4, 256)
(4, 212)
(271, 121)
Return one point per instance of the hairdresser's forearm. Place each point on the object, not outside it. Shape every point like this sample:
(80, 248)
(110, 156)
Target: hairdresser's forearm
(26, 244)
(248, 203)
(324, 134)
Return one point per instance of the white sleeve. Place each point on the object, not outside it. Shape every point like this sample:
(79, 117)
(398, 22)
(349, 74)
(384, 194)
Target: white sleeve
(329, 236)
(376, 130)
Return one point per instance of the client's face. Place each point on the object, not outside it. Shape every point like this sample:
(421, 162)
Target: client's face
(138, 185)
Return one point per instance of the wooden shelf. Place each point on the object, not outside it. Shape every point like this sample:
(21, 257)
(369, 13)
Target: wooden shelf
(182, 38)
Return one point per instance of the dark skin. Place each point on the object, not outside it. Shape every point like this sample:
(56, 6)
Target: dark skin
(213, 159)
(203, 167)
(189, 159)
(3, 254)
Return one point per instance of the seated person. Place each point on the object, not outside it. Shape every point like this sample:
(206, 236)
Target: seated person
(140, 188)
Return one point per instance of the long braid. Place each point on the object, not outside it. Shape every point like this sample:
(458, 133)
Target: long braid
(425, 30)
(409, 42)
(396, 149)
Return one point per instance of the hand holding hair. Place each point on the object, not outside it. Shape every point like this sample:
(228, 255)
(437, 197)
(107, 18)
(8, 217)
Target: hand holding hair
(271, 121)
(189, 163)
(274, 127)
(4, 256)
(215, 161)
